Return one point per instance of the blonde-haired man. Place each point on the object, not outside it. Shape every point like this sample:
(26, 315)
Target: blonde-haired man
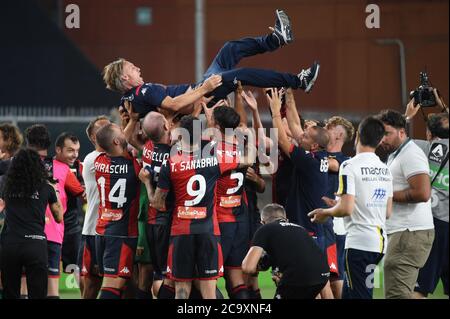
(340, 131)
(220, 79)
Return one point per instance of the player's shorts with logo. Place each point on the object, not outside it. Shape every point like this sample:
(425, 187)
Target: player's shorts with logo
(54, 259)
(195, 256)
(235, 244)
(158, 237)
(115, 255)
(87, 257)
(327, 243)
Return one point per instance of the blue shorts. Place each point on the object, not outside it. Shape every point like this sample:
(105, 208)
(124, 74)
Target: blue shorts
(54, 259)
(340, 247)
(115, 255)
(437, 264)
(359, 266)
(235, 244)
(327, 243)
(87, 258)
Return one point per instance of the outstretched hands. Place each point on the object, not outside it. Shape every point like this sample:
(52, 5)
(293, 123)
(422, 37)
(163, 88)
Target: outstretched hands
(213, 82)
(274, 101)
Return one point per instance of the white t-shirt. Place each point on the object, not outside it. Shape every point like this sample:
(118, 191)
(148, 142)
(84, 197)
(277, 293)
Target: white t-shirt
(369, 180)
(408, 162)
(92, 196)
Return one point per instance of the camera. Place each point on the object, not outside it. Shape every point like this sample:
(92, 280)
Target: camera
(424, 95)
(48, 165)
(264, 262)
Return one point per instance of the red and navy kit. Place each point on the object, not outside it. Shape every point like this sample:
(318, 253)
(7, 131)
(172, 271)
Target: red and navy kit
(118, 186)
(153, 156)
(149, 96)
(232, 211)
(231, 199)
(309, 185)
(193, 179)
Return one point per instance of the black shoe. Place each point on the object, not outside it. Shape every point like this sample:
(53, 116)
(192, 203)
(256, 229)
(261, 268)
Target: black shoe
(308, 77)
(282, 28)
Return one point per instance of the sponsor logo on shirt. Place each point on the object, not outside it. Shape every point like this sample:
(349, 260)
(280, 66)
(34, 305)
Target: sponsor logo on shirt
(374, 171)
(191, 212)
(379, 194)
(110, 215)
(230, 201)
(378, 199)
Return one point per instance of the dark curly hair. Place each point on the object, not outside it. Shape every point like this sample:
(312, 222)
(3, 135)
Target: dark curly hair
(12, 136)
(25, 176)
(38, 137)
(392, 118)
(226, 117)
(437, 124)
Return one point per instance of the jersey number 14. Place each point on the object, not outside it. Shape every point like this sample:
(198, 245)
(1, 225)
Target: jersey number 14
(119, 187)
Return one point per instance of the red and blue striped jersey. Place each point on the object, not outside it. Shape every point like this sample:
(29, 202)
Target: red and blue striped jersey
(119, 187)
(231, 198)
(154, 155)
(193, 179)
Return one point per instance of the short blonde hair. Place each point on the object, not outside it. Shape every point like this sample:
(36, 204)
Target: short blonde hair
(112, 74)
(346, 124)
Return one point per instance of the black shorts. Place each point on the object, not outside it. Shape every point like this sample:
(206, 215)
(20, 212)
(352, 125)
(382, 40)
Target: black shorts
(340, 247)
(87, 258)
(437, 264)
(54, 259)
(115, 255)
(158, 237)
(70, 250)
(298, 292)
(235, 244)
(196, 256)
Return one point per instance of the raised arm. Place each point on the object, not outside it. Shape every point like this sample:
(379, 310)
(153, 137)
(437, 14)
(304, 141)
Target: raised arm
(275, 106)
(239, 105)
(189, 97)
(145, 177)
(292, 116)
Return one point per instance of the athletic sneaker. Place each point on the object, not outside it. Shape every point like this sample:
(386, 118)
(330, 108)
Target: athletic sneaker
(308, 77)
(282, 28)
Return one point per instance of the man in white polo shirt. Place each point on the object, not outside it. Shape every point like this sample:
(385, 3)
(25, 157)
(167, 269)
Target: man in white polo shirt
(365, 188)
(411, 229)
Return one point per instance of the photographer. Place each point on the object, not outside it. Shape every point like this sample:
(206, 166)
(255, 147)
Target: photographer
(436, 150)
(300, 273)
(26, 193)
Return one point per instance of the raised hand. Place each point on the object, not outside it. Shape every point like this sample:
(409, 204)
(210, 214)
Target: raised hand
(274, 101)
(250, 99)
(213, 82)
